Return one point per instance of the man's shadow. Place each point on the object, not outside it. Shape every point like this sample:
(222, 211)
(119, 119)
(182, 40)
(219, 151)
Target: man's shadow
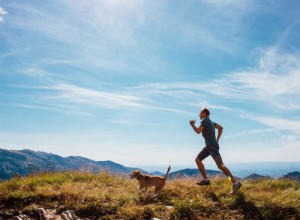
(250, 211)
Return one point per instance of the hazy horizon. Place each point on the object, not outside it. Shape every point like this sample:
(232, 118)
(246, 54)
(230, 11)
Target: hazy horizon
(273, 169)
(121, 79)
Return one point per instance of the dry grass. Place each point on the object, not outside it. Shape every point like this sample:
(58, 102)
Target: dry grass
(106, 196)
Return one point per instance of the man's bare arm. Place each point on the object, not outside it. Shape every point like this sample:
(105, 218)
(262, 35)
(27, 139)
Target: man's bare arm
(198, 130)
(220, 131)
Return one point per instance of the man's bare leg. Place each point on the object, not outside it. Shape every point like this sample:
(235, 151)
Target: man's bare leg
(227, 172)
(201, 168)
(235, 184)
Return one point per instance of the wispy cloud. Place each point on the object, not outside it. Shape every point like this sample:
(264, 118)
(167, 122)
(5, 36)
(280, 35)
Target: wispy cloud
(68, 93)
(106, 99)
(47, 107)
(79, 95)
(2, 13)
(33, 71)
(279, 124)
(250, 132)
(274, 82)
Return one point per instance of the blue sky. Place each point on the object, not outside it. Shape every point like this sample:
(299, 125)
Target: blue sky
(119, 80)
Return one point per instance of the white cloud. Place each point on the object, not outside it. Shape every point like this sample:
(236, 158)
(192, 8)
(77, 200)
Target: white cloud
(2, 13)
(274, 83)
(33, 72)
(250, 132)
(74, 94)
(54, 108)
(292, 125)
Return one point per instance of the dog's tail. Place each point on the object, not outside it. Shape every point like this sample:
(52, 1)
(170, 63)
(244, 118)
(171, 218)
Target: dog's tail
(167, 172)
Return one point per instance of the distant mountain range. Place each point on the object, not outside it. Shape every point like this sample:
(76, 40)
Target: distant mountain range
(23, 162)
(192, 173)
(255, 176)
(292, 175)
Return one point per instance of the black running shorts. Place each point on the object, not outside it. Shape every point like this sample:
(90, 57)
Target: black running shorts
(213, 152)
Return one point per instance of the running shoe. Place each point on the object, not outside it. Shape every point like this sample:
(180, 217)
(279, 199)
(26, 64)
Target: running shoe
(235, 187)
(203, 182)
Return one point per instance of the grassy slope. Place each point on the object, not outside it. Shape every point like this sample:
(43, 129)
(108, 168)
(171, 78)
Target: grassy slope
(108, 196)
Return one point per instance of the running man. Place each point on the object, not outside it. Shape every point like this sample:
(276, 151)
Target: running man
(207, 128)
